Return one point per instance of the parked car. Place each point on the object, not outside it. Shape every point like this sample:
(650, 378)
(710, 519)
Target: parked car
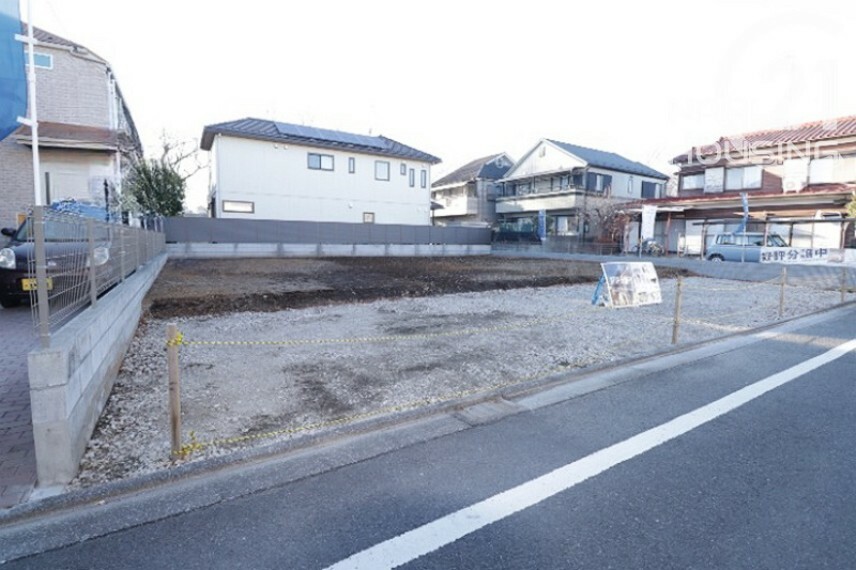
(742, 246)
(67, 253)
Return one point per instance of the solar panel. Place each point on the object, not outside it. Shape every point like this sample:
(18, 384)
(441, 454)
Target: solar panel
(288, 129)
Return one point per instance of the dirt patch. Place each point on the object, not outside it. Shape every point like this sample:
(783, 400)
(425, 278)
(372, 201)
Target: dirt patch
(212, 287)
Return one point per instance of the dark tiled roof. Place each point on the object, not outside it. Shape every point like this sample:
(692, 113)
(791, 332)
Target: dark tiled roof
(806, 132)
(483, 167)
(46, 37)
(268, 130)
(609, 160)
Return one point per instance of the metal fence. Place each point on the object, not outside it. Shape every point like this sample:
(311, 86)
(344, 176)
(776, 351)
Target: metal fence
(72, 260)
(557, 244)
(218, 230)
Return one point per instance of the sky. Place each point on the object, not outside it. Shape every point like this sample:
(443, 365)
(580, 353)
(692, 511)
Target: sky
(464, 79)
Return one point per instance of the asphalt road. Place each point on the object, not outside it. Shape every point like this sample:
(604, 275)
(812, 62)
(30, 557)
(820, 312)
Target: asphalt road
(763, 479)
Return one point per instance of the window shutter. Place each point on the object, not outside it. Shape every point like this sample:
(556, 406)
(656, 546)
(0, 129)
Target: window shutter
(591, 181)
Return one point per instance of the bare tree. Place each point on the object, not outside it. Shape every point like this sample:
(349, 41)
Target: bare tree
(612, 220)
(157, 185)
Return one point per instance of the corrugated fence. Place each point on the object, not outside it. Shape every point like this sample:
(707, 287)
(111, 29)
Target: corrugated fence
(211, 230)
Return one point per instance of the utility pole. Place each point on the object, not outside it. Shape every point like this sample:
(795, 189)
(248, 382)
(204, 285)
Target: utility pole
(33, 120)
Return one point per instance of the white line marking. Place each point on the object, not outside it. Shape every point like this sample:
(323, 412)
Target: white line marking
(446, 530)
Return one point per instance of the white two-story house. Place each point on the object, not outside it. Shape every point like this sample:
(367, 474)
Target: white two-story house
(269, 170)
(571, 188)
(87, 138)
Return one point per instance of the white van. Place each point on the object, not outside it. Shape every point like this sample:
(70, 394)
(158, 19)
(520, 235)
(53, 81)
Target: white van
(742, 247)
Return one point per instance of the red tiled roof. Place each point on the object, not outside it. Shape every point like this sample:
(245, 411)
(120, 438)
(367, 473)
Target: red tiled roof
(806, 132)
(814, 190)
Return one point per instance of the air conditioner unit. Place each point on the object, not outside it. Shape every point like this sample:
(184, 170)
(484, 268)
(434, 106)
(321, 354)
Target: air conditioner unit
(793, 185)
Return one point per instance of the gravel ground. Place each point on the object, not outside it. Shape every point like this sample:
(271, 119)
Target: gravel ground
(409, 350)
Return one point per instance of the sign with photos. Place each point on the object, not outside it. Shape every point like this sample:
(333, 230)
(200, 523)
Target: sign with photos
(629, 284)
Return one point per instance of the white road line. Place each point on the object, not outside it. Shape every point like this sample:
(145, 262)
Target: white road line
(446, 530)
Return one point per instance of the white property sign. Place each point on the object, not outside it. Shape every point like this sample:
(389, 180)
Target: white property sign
(649, 215)
(630, 284)
(801, 255)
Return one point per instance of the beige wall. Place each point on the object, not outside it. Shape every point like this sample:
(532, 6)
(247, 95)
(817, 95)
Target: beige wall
(16, 181)
(75, 91)
(77, 174)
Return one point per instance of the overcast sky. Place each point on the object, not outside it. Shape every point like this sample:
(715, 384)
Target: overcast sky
(464, 79)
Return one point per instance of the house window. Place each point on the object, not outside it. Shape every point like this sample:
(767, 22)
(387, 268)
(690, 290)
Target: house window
(650, 189)
(41, 60)
(423, 178)
(692, 182)
(821, 171)
(630, 186)
(352, 165)
(239, 207)
(368, 217)
(598, 182)
(412, 178)
(381, 170)
(320, 161)
(403, 169)
(743, 177)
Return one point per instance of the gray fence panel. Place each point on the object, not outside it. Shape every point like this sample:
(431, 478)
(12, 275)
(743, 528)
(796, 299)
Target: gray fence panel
(211, 230)
(361, 233)
(408, 234)
(421, 234)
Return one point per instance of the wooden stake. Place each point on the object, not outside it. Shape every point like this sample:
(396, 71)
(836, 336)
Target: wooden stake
(174, 389)
(843, 284)
(678, 297)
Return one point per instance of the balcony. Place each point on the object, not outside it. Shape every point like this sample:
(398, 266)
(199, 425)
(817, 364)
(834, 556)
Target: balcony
(456, 206)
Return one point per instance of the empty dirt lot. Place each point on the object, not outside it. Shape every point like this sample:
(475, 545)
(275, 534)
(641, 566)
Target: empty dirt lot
(217, 286)
(277, 348)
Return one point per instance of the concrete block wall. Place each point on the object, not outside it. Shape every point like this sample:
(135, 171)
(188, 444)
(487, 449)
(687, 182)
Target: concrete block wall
(71, 381)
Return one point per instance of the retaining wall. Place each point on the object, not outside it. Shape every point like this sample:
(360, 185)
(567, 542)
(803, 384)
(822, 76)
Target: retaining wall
(71, 381)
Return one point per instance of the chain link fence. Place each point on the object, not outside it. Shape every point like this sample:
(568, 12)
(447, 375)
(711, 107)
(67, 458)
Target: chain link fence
(72, 259)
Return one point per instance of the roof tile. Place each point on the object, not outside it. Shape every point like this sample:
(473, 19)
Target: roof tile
(477, 168)
(267, 130)
(806, 132)
(608, 160)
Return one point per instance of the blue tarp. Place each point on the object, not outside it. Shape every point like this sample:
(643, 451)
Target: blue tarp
(85, 209)
(13, 79)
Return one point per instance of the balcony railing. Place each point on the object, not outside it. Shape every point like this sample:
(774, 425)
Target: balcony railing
(457, 206)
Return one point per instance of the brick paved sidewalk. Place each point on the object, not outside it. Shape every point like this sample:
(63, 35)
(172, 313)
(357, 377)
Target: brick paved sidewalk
(17, 455)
